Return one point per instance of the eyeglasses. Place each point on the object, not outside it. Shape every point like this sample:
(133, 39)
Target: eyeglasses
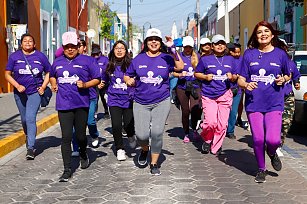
(153, 39)
(119, 48)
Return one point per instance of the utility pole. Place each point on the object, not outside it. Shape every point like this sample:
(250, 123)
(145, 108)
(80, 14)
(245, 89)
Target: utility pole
(198, 23)
(226, 21)
(128, 27)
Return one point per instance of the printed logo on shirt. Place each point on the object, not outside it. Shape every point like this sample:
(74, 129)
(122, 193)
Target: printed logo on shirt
(66, 79)
(227, 66)
(37, 62)
(274, 64)
(100, 63)
(253, 64)
(150, 79)
(219, 76)
(262, 78)
(142, 66)
(190, 72)
(20, 61)
(78, 66)
(161, 67)
(119, 84)
(58, 67)
(27, 71)
(211, 66)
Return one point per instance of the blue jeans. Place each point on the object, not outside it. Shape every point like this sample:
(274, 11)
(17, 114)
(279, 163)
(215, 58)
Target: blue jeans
(28, 106)
(91, 124)
(172, 84)
(233, 114)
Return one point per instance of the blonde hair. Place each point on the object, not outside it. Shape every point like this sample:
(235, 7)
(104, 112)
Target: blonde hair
(194, 59)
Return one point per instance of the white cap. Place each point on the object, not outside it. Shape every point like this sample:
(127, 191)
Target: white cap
(217, 38)
(69, 38)
(204, 41)
(153, 32)
(188, 41)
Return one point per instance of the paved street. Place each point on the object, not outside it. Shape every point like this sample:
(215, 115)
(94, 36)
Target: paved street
(187, 175)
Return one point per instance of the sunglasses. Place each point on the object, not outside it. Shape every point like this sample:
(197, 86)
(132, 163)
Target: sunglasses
(153, 39)
(221, 42)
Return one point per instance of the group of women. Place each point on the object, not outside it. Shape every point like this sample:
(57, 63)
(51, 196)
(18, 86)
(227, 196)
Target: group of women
(139, 93)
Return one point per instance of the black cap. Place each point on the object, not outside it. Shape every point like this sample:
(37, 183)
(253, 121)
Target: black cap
(96, 50)
(230, 46)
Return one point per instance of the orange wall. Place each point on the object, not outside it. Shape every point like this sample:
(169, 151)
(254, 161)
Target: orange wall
(3, 54)
(34, 20)
(74, 7)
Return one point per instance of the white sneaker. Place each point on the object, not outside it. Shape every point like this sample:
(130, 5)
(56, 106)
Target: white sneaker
(279, 152)
(95, 142)
(121, 155)
(75, 154)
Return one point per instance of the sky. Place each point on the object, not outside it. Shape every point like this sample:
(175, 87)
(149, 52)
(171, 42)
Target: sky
(160, 14)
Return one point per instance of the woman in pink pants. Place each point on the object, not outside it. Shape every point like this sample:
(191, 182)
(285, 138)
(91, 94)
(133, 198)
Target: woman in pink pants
(215, 72)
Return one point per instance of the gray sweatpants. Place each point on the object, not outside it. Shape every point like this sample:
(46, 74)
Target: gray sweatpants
(156, 115)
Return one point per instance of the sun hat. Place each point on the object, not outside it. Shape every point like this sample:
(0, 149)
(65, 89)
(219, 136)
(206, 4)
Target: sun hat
(188, 41)
(69, 38)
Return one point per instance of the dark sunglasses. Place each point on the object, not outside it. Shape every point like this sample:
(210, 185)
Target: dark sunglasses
(153, 39)
(221, 42)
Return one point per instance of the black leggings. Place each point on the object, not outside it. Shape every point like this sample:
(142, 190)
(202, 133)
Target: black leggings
(189, 105)
(69, 119)
(118, 115)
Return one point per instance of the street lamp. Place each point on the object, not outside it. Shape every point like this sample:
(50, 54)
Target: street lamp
(144, 29)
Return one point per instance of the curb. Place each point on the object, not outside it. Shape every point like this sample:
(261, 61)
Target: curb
(15, 140)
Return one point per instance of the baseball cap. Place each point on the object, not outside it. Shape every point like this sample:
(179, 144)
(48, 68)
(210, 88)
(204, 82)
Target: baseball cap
(230, 46)
(204, 41)
(69, 38)
(96, 50)
(153, 32)
(217, 38)
(188, 41)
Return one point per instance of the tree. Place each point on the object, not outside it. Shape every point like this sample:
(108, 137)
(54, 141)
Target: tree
(106, 20)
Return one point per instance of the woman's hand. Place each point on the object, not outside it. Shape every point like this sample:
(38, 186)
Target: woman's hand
(41, 90)
(280, 80)
(81, 84)
(251, 86)
(54, 88)
(101, 85)
(209, 77)
(130, 82)
(20, 88)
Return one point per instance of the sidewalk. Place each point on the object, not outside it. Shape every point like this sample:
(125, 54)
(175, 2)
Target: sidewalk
(187, 175)
(11, 134)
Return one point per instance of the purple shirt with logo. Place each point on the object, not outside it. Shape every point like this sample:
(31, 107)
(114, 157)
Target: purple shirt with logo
(237, 71)
(218, 66)
(152, 77)
(188, 68)
(263, 69)
(21, 71)
(295, 76)
(118, 93)
(67, 73)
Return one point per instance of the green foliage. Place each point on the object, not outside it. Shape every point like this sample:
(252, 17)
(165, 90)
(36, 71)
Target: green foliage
(106, 20)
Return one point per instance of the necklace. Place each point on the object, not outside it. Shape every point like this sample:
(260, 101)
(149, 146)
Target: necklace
(221, 63)
(260, 54)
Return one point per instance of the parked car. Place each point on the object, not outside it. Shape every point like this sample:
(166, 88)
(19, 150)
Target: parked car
(300, 115)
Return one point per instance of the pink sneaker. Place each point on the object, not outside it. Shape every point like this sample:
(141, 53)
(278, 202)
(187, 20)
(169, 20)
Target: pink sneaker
(186, 139)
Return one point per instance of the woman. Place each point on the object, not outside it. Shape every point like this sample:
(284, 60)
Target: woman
(264, 70)
(188, 91)
(215, 73)
(119, 97)
(149, 72)
(205, 47)
(71, 77)
(24, 71)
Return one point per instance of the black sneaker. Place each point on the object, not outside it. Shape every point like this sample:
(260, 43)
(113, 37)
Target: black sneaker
(205, 148)
(275, 161)
(260, 177)
(154, 170)
(84, 162)
(66, 175)
(142, 159)
(231, 136)
(30, 154)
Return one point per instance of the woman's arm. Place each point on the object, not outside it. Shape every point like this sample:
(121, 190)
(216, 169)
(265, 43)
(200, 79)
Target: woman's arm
(11, 80)
(202, 76)
(88, 84)
(129, 80)
(42, 88)
(244, 85)
(54, 86)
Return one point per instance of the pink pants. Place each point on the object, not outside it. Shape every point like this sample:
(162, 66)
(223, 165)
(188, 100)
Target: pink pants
(216, 114)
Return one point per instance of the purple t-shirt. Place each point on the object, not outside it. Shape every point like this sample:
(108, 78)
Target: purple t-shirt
(218, 66)
(118, 93)
(152, 77)
(67, 73)
(263, 70)
(295, 76)
(21, 72)
(237, 71)
(188, 68)
(102, 63)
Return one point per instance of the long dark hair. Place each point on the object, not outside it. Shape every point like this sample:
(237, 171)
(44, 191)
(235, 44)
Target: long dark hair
(114, 61)
(27, 35)
(253, 42)
(163, 47)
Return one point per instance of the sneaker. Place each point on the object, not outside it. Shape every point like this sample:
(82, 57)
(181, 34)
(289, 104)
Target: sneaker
(66, 175)
(279, 152)
(95, 142)
(75, 154)
(124, 133)
(276, 163)
(205, 148)
(132, 142)
(260, 177)
(198, 124)
(142, 158)
(231, 136)
(84, 161)
(186, 139)
(154, 170)
(30, 154)
(121, 155)
(172, 101)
